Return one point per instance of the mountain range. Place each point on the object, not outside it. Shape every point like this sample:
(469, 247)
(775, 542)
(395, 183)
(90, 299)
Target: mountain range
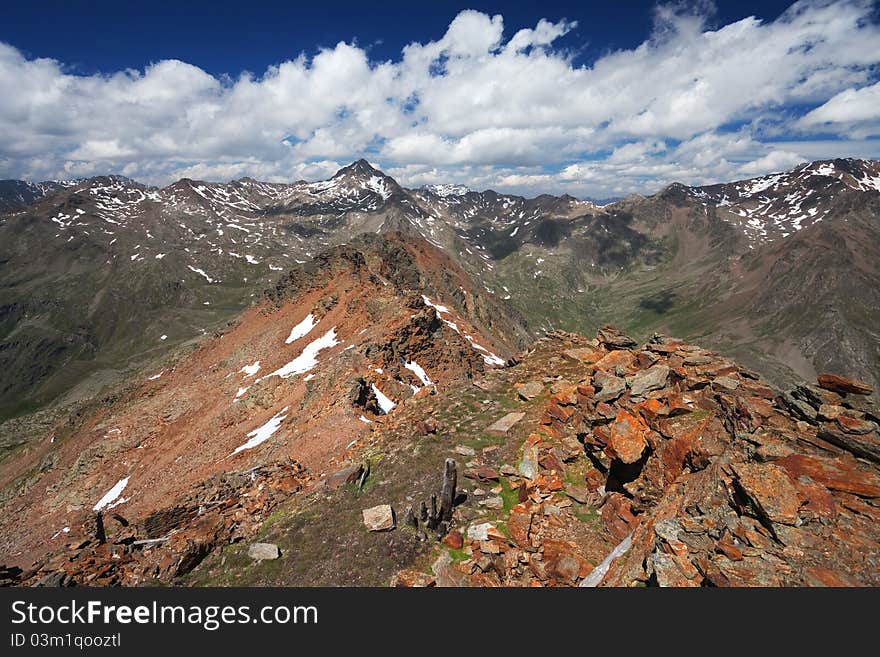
(780, 271)
(200, 357)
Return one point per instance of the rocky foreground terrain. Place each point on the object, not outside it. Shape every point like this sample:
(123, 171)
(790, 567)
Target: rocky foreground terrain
(584, 462)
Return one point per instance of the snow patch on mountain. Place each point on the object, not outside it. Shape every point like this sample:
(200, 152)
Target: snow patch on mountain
(263, 433)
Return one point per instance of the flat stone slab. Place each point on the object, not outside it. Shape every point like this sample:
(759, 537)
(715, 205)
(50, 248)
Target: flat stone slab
(530, 390)
(479, 532)
(505, 424)
(837, 383)
(379, 518)
(261, 551)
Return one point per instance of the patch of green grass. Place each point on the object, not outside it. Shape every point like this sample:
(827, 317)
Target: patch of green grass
(373, 458)
(509, 495)
(575, 473)
(586, 513)
(458, 555)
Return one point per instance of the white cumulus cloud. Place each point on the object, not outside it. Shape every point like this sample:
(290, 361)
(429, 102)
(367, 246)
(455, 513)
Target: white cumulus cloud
(481, 105)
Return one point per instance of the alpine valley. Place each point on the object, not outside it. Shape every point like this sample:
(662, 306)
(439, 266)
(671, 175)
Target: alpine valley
(350, 382)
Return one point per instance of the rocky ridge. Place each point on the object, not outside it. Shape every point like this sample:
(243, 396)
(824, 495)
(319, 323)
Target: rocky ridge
(694, 468)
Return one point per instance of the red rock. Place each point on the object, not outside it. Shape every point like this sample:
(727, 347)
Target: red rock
(429, 426)
(837, 383)
(552, 427)
(412, 579)
(565, 398)
(674, 454)
(495, 534)
(671, 570)
(651, 409)
(770, 489)
(729, 550)
(835, 474)
(830, 412)
(669, 346)
(563, 561)
(454, 540)
(482, 473)
(617, 516)
(519, 524)
(346, 475)
(756, 407)
(446, 573)
(856, 504)
(815, 497)
(549, 482)
(756, 389)
(549, 461)
(539, 569)
(628, 437)
(615, 359)
(583, 355)
(585, 390)
(611, 337)
(485, 580)
(600, 435)
(594, 478)
(522, 492)
(676, 405)
(819, 576)
(605, 410)
(561, 413)
(854, 425)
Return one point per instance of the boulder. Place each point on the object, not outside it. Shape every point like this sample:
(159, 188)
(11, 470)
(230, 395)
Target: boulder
(454, 540)
(610, 386)
(771, 490)
(628, 437)
(379, 518)
(618, 360)
(502, 426)
(611, 337)
(867, 446)
(347, 475)
(582, 355)
(263, 551)
(653, 378)
(725, 382)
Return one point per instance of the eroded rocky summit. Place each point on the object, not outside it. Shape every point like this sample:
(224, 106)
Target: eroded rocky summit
(701, 474)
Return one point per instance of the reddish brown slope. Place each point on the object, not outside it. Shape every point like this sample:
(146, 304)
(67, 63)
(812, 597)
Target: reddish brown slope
(361, 316)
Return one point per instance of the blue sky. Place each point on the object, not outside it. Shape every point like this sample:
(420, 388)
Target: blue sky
(590, 99)
(229, 37)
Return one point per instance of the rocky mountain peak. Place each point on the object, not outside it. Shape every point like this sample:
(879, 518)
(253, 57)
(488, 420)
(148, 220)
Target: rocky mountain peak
(359, 169)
